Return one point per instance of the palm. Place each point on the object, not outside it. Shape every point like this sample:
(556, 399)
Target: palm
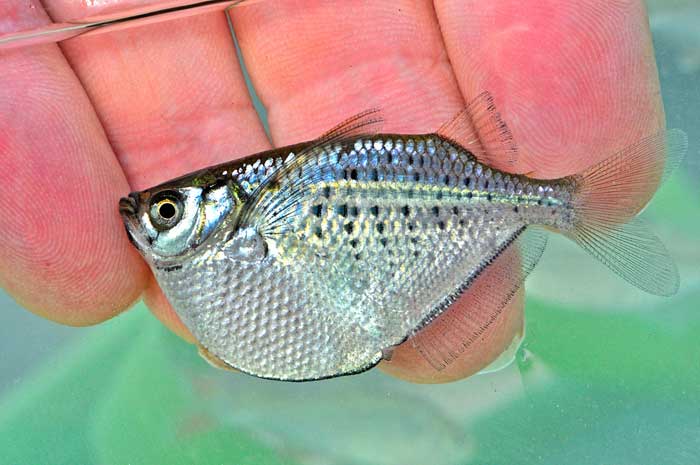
(154, 102)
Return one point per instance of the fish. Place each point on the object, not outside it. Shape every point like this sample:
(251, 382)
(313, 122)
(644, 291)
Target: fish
(316, 260)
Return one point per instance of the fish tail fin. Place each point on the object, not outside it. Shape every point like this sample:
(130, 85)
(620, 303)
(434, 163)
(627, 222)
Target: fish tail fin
(607, 198)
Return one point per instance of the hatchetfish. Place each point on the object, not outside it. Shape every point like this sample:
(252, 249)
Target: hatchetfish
(315, 260)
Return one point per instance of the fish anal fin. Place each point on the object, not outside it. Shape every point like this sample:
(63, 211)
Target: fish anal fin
(454, 330)
(480, 129)
(213, 360)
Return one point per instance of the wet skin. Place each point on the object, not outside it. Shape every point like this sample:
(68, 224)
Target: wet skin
(85, 122)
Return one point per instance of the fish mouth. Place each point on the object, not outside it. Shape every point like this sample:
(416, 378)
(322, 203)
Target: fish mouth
(128, 209)
(128, 206)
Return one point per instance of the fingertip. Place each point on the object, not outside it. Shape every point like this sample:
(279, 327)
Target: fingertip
(64, 254)
(575, 82)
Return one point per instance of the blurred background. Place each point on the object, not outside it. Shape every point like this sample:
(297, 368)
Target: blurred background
(602, 377)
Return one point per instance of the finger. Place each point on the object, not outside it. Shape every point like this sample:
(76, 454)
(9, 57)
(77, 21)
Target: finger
(575, 81)
(314, 67)
(64, 254)
(170, 95)
(172, 99)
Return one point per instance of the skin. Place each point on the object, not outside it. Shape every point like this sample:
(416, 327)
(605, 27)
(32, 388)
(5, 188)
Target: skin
(86, 122)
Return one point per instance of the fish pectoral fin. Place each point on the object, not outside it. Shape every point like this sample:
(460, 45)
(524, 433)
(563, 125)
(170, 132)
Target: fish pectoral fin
(480, 129)
(273, 202)
(454, 330)
(213, 360)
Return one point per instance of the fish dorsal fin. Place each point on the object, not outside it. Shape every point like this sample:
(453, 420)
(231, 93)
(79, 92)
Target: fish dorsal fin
(453, 331)
(366, 122)
(480, 129)
(273, 203)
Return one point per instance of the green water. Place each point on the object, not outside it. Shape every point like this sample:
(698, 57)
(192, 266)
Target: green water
(611, 377)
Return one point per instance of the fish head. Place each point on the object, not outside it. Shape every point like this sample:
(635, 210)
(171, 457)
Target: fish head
(170, 222)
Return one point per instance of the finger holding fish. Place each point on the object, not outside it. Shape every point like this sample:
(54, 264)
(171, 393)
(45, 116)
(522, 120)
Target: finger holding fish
(62, 255)
(576, 81)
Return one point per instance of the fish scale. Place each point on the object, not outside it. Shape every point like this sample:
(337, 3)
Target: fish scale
(337, 283)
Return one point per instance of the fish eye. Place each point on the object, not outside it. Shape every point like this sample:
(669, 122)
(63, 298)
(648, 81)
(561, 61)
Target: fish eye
(166, 209)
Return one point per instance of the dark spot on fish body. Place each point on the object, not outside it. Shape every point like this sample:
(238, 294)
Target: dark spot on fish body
(316, 210)
(374, 210)
(353, 174)
(354, 211)
(416, 176)
(349, 227)
(441, 225)
(380, 228)
(436, 211)
(383, 241)
(342, 210)
(319, 232)
(405, 210)
(358, 256)
(353, 243)
(439, 195)
(455, 210)
(374, 175)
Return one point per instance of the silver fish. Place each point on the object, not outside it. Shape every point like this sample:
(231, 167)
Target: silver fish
(315, 260)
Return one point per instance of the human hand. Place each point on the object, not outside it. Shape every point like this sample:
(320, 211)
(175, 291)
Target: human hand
(103, 115)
